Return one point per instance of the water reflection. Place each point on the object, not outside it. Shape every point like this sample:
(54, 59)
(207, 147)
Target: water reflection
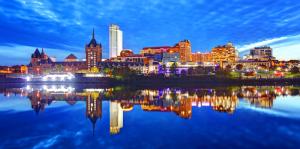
(178, 101)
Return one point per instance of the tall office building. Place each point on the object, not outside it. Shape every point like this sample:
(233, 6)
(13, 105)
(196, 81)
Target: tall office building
(115, 41)
(93, 52)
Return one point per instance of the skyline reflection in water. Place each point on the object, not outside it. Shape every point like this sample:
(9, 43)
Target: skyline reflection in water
(178, 102)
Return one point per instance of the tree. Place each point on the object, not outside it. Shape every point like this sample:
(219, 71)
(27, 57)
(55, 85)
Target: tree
(295, 70)
(262, 66)
(183, 73)
(173, 68)
(239, 67)
(200, 70)
(190, 71)
(228, 68)
(107, 71)
(164, 68)
(59, 68)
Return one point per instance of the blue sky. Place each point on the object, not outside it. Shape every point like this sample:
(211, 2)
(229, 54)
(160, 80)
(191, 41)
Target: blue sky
(63, 27)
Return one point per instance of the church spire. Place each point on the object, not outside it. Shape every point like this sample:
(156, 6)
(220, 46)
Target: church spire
(93, 34)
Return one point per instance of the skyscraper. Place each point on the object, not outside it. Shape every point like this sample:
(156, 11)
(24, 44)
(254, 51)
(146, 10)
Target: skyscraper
(93, 52)
(115, 41)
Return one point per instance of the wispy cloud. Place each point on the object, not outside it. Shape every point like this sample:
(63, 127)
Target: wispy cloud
(284, 48)
(242, 48)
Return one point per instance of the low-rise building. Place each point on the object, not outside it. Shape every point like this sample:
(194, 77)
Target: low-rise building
(263, 53)
(170, 57)
(202, 57)
(224, 54)
(155, 50)
(41, 64)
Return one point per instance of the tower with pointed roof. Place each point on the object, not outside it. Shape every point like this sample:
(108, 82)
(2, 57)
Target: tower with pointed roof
(93, 52)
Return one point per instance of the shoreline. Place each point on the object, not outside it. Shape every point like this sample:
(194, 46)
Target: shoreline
(162, 82)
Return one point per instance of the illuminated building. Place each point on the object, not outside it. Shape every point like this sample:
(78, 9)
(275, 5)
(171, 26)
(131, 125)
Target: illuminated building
(115, 41)
(226, 53)
(184, 49)
(93, 52)
(41, 64)
(116, 117)
(263, 53)
(71, 58)
(133, 61)
(155, 50)
(17, 69)
(254, 64)
(131, 58)
(145, 68)
(201, 57)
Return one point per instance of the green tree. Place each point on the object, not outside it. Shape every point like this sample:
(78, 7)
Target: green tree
(239, 67)
(228, 68)
(200, 70)
(295, 70)
(107, 71)
(59, 68)
(173, 68)
(164, 68)
(183, 73)
(190, 71)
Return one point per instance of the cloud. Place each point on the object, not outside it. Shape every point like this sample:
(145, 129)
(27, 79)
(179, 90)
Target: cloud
(260, 43)
(48, 142)
(284, 48)
(59, 24)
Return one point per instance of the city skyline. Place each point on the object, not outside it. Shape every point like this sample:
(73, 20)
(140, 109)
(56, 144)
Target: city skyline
(28, 25)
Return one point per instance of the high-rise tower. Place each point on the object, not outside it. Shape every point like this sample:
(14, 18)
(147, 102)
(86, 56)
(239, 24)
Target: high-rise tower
(115, 41)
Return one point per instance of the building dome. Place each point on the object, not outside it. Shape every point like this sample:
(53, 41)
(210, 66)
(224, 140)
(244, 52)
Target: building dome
(126, 53)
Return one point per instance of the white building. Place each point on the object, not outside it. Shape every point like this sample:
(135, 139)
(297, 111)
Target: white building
(263, 53)
(115, 41)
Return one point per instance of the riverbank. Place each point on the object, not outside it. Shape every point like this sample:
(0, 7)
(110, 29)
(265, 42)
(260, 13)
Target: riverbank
(209, 81)
(148, 81)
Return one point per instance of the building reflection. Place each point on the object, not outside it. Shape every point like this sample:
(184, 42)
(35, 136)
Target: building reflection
(116, 117)
(93, 107)
(178, 101)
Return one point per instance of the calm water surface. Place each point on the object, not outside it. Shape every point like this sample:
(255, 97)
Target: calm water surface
(62, 116)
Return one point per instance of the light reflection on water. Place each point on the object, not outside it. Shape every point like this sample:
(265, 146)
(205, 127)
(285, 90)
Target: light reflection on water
(116, 112)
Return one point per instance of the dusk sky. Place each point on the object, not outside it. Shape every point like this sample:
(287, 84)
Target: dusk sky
(62, 27)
